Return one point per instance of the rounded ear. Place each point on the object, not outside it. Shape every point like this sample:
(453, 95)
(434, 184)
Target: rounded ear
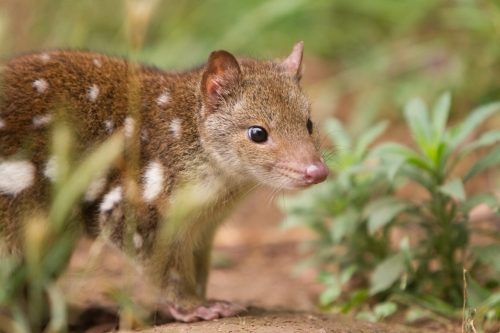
(221, 75)
(293, 63)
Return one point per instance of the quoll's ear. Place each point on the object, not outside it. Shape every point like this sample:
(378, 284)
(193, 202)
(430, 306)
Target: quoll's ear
(293, 63)
(221, 74)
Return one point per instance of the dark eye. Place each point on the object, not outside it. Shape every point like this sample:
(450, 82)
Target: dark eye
(309, 126)
(257, 134)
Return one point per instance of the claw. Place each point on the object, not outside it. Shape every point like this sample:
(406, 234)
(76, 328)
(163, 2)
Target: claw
(212, 310)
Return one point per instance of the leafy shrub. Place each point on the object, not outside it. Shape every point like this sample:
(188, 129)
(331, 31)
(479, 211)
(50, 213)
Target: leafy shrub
(356, 214)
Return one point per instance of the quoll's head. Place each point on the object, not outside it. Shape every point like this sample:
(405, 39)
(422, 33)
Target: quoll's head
(256, 121)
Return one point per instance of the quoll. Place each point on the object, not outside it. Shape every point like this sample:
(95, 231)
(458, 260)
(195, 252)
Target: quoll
(204, 139)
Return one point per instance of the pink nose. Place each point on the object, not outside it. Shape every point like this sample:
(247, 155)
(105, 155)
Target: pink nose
(316, 173)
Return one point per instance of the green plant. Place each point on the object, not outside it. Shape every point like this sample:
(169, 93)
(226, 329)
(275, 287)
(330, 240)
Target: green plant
(335, 211)
(425, 267)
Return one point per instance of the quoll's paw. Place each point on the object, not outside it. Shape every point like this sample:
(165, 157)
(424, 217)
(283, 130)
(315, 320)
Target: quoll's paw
(211, 310)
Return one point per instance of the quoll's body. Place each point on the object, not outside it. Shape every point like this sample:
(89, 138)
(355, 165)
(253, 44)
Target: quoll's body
(204, 138)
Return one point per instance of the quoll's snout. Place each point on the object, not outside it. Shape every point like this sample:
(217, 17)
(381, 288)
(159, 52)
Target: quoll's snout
(315, 173)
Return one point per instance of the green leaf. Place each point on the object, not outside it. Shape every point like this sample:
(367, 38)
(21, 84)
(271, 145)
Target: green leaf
(476, 294)
(492, 301)
(368, 136)
(460, 131)
(482, 198)
(454, 188)
(417, 118)
(391, 149)
(492, 159)
(368, 316)
(330, 294)
(487, 254)
(327, 278)
(339, 136)
(347, 273)
(344, 225)
(387, 273)
(383, 211)
(415, 174)
(486, 139)
(414, 314)
(440, 116)
(385, 309)
(393, 165)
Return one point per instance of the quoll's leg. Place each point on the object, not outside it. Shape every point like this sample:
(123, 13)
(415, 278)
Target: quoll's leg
(180, 269)
(174, 258)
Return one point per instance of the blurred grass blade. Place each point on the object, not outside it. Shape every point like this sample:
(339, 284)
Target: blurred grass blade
(58, 319)
(492, 159)
(440, 116)
(454, 188)
(256, 19)
(100, 159)
(460, 131)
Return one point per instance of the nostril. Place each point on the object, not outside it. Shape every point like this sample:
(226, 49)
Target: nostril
(316, 173)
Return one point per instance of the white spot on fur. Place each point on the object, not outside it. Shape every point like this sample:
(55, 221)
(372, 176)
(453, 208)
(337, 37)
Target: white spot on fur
(129, 125)
(45, 57)
(50, 170)
(42, 120)
(97, 63)
(109, 125)
(111, 199)
(16, 176)
(163, 98)
(175, 128)
(93, 93)
(41, 85)
(144, 135)
(94, 190)
(153, 181)
(2, 124)
(137, 240)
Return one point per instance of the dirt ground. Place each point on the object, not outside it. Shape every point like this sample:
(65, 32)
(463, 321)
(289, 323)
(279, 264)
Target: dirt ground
(253, 264)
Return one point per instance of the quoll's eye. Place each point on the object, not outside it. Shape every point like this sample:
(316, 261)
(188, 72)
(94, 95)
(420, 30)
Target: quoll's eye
(309, 126)
(257, 134)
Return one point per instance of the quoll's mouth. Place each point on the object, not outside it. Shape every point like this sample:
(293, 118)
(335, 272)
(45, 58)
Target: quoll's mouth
(302, 176)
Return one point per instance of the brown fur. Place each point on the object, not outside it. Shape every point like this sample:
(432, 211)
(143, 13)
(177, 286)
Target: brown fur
(209, 166)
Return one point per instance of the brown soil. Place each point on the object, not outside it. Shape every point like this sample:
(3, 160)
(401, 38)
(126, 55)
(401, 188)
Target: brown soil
(253, 264)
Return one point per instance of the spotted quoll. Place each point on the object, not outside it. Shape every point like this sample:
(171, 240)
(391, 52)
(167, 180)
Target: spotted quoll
(203, 139)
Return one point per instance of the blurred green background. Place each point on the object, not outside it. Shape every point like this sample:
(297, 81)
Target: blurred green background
(362, 56)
